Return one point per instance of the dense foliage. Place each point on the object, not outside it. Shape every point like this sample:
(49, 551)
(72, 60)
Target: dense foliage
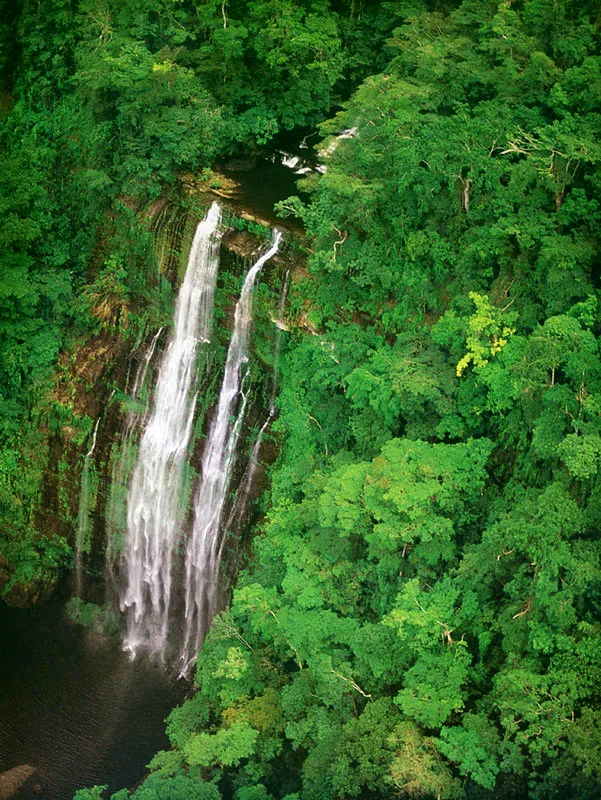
(104, 103)
(421, 613)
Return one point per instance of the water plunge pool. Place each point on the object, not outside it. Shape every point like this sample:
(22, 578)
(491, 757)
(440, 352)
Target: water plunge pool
(74, 706)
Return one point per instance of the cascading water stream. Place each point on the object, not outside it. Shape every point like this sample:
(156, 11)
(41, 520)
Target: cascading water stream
(116, 514)
(84, 523)
(203, 549)
(142, 372)
(155, 510)
(235, 517)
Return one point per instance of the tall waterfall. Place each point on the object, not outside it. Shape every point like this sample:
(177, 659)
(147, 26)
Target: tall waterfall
(154, 509)
(203, 550)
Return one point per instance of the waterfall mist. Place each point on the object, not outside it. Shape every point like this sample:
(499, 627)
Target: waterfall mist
(240, 504)
(116, 512)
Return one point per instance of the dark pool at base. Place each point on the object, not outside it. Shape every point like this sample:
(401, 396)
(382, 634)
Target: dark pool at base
(74, 706)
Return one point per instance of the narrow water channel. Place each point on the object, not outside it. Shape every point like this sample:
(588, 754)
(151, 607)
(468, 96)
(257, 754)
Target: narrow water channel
(74, 706)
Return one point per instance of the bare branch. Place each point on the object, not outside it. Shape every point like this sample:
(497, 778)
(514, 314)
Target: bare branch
(343, 237)
(355, 685)
(524, 611)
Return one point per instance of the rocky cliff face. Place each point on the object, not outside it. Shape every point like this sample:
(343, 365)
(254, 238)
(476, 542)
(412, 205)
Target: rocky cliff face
(94, 381)
(18, 782)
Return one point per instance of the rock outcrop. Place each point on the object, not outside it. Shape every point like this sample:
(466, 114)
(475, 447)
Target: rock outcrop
(15, 782)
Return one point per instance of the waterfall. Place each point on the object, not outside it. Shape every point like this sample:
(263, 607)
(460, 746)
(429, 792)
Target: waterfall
(84, 523)
(154, 508)
(240, 503)
(116, 513)
(203, 550)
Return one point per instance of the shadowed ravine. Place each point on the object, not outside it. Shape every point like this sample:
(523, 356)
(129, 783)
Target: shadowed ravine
(73, 703)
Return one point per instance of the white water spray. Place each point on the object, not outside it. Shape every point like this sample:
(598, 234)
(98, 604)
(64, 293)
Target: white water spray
(239, 507)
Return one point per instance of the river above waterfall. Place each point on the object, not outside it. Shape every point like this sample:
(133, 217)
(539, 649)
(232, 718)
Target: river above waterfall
(74, 706)
(264, 180)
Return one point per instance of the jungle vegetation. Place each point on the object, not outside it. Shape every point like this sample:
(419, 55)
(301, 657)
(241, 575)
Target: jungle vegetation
(420, 615)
